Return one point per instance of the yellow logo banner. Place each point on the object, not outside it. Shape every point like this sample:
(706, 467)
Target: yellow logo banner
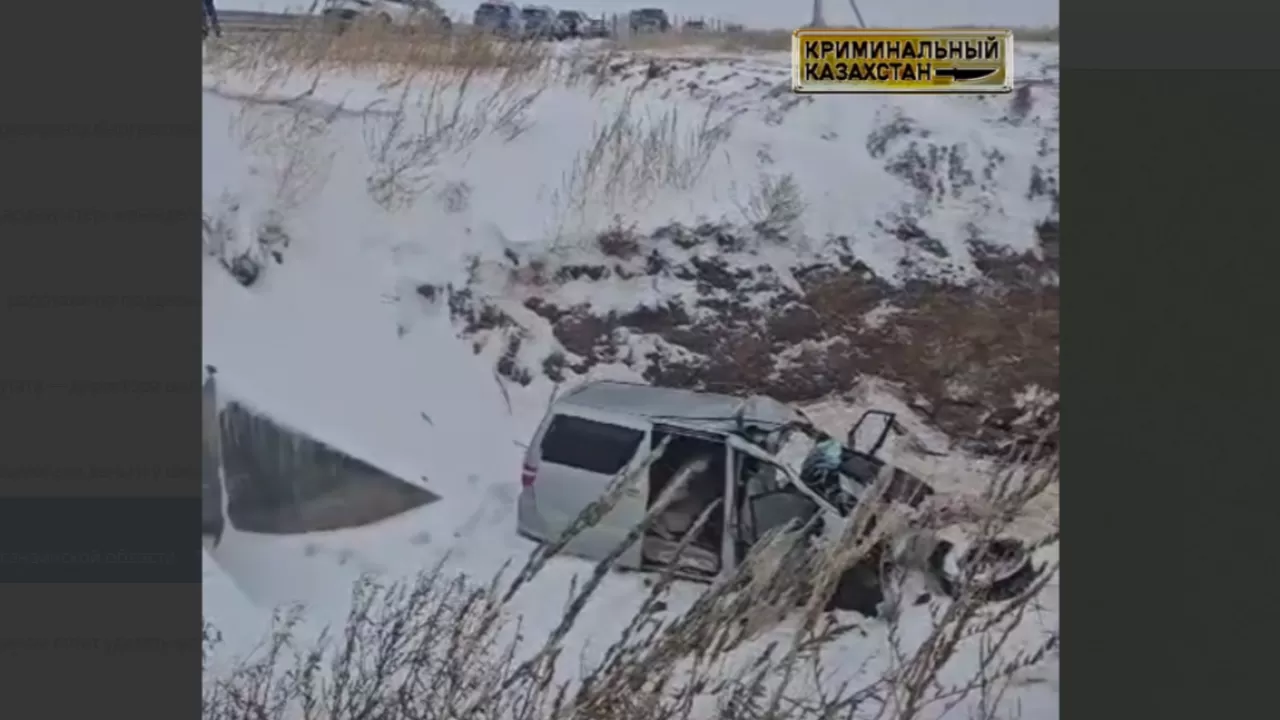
(826, 60)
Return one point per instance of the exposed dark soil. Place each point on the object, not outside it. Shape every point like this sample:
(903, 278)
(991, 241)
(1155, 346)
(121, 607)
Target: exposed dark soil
(960, 353)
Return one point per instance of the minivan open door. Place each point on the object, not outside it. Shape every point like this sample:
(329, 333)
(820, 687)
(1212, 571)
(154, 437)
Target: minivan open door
(869, 433)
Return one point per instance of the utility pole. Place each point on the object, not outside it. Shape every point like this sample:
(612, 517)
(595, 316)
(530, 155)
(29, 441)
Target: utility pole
(857, 13)
(818, 21)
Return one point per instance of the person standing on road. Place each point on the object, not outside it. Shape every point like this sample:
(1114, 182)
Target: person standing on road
(211, 19)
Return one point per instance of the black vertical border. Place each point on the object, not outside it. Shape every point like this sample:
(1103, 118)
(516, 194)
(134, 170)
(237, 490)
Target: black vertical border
(1169, 146)
(100, 289)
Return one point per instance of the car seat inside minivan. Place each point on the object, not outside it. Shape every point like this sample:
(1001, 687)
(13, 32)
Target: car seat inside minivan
(705, 458)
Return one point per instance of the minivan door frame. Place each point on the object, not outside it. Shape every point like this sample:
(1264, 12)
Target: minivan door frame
(742, 446)
(669, 429)
(731, 532)
(729, 528)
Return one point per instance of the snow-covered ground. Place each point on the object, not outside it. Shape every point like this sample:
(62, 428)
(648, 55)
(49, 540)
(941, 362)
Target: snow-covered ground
(336, 336)
(774, 14)
(958, 167)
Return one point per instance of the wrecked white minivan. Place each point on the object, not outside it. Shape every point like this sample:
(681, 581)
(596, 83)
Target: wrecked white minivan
(603, 429)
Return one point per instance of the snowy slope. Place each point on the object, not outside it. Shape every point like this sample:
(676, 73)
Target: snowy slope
(782, 13)
(956, 166)
(240, 622)
(336, 338)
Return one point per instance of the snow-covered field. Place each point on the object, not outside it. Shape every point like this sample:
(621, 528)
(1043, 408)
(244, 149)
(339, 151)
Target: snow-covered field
(364, 230)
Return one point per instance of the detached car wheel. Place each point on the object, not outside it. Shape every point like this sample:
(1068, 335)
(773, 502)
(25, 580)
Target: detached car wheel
(1001, 569)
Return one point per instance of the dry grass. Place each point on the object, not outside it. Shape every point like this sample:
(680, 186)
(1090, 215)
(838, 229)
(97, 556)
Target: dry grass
(619, 241)
(438, 94)
(774, 205)
(288, 155)
(444, 646)
(369, 45)
(291, 143)
(441, 93)
(438, 115)
(634, 156)
(715, 41)
(445, 91)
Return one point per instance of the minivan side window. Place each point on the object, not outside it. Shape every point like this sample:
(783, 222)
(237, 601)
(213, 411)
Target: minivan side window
(589, 445)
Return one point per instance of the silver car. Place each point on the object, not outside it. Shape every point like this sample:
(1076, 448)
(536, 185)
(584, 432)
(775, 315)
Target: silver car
(602, 429)
(729, 448)
(499, 17)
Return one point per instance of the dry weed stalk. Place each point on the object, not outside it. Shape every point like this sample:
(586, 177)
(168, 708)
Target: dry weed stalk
(774, 204)
(289, 159)
(446, 91)
(636, 154)
(592, 68)
(730, 43)
(436, 114)
(436, 647)
(289, 135)
(371, 46)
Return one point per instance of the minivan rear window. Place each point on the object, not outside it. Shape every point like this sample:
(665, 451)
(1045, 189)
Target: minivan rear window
(589, 445)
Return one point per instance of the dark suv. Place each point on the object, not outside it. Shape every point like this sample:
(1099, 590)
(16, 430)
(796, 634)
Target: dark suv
(499, 17)
(575, 22)
(541, 23)
(648, 20)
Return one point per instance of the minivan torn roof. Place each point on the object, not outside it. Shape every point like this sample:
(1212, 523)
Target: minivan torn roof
(708, 412)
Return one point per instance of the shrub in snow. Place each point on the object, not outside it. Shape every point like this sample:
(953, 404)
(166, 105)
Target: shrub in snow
(243, 241)
(775, 206)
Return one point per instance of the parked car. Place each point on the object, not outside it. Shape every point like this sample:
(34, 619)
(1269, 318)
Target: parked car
(397, 13)
(649, 20)
(541, 23)
(696, 26)
(604, 429)
(596, 28)
(500, 17)
(575, 22)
